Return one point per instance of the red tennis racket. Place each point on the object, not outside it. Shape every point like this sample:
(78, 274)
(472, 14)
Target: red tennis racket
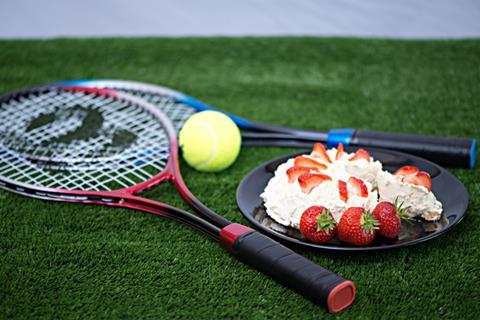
(101, 146)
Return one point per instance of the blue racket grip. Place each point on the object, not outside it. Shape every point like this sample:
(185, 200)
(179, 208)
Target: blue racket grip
(447, 151)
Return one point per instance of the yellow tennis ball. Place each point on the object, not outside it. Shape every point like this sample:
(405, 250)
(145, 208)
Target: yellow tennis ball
(210, 141)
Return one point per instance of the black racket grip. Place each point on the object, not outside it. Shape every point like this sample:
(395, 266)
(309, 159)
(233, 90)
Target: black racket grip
(288, 268)
(452, 152)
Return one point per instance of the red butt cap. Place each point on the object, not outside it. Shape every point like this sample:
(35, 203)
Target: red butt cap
(230, 233)
(341, 297)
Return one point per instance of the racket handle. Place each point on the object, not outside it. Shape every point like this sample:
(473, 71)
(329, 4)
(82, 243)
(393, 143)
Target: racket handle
(452, 152)
(287, 267)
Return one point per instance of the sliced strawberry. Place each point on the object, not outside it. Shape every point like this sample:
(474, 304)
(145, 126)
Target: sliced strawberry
(359, 187)
(301, 161)
(420, 179)
(361, 154)
(406, 171)
(339, 151)
(414, 176)
(294, 172)
(342, 190)
(320, 152)
(308, 181)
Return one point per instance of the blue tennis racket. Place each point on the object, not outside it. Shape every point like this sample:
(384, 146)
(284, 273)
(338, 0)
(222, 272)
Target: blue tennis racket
(448, 151)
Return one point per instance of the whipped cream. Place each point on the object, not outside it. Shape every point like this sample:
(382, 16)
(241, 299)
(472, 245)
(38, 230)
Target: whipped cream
(285, 202)
(417, 199)
(342, 168)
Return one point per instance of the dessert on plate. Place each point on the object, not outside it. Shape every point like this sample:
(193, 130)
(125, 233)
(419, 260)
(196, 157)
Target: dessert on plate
(336, 181)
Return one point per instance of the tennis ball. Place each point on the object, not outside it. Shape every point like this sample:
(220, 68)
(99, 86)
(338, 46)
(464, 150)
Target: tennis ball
(210, 141)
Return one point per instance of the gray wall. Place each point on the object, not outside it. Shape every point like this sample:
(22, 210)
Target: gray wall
(370, 18)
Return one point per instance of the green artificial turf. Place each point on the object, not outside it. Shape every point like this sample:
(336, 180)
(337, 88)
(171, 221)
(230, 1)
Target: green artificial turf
(77, 261)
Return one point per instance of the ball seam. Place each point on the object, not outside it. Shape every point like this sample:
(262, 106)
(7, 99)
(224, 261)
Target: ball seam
(215, 144)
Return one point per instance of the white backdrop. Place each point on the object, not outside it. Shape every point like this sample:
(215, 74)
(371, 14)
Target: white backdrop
(370, 18)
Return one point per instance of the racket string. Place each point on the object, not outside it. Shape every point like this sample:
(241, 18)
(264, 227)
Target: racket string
(66, 122)
(35, 106)
(173, 108)
(99, 162)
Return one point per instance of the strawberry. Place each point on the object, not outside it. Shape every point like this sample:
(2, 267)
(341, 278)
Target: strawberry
(386, 214)
(414, 176)
(320, 152)
(308, 181)
(361, 154)
(294, 172)
(301, 161)
(317, 224)
(420, 179)
(357, 226)
(339, 151)
(406, 171)
(359, 187)
(342, 190)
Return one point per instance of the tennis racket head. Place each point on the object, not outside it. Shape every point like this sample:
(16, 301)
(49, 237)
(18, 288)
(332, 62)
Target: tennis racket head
(83, 139)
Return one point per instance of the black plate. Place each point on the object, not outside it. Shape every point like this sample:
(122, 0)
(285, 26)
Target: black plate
(446, 187)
